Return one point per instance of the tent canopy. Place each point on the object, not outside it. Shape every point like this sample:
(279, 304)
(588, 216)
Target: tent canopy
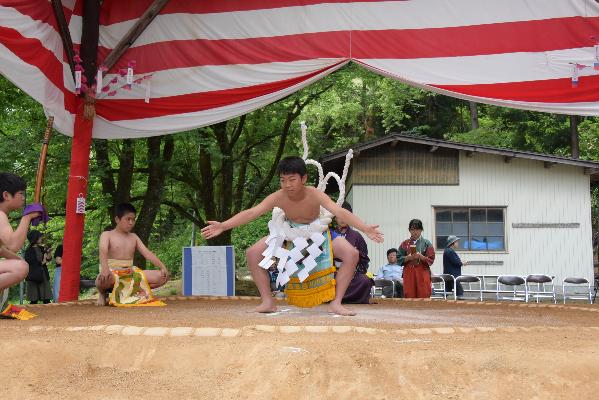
(201, 62)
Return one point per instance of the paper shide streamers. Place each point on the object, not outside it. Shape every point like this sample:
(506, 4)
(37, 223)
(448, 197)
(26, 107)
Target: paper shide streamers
(124, 79)
(578, 68)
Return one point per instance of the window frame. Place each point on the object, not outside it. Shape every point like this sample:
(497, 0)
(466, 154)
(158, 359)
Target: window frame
(468, 210)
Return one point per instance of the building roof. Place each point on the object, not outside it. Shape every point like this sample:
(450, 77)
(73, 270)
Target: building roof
(591, 167)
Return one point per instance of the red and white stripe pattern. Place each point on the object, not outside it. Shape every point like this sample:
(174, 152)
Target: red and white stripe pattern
(214, 60)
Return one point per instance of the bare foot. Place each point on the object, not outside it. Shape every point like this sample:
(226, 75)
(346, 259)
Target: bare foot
(340, 310)
(102, 299)
(266, 307)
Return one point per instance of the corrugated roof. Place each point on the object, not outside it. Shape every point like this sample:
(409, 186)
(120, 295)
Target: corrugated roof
(592, 166)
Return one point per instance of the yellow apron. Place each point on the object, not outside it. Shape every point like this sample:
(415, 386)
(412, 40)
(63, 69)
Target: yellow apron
(319, 287)
(131, 288)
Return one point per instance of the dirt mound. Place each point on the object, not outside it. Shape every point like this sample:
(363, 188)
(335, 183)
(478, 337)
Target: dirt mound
(207, 349)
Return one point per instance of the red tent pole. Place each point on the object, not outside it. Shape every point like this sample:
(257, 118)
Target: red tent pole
(80, 148)
(73, 233)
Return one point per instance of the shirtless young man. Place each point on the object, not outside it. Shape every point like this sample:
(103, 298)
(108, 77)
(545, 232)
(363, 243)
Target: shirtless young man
(301, 204)
(120, 244)
(13, 268)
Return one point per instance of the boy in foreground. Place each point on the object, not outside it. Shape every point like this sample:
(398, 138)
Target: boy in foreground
(13, 268)
(301, 205)
(131, 285)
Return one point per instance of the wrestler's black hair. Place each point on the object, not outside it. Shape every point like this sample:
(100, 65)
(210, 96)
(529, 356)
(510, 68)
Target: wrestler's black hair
(415, 223)
(292, 165)
(10, 183)
(124, 208)
(391, 250)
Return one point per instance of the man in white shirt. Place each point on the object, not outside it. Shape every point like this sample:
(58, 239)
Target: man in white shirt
(391, 273)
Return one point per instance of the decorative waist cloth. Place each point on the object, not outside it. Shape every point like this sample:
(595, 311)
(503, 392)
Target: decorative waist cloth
(303, 255)
(12, 311)
(131, 288)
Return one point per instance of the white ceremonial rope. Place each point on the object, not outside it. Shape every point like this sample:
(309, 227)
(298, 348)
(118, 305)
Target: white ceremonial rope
(280, 230)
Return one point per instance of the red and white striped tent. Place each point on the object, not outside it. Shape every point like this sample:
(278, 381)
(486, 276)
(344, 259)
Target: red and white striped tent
(201, 62)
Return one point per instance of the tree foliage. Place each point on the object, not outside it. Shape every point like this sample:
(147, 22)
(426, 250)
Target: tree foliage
(213, 172)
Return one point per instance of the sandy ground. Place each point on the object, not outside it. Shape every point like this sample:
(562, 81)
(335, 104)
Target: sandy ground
(391, 350)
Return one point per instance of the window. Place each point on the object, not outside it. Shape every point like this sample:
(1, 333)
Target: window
(479, 229)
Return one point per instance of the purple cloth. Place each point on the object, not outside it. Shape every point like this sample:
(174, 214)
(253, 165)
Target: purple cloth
(358, 291)
(355, 239)
(37, 207)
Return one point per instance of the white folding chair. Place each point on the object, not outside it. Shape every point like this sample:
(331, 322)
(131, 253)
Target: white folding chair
(575, 283)
(469, 279)
(441, 292)
(379, 284)
(514, 281)
(540, 291)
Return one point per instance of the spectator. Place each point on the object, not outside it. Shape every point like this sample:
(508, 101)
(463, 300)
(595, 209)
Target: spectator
(358, 291)
(57, 271)
(38, 280)
(416, 254)
(277, 290)
(391, 273)
(452, 264)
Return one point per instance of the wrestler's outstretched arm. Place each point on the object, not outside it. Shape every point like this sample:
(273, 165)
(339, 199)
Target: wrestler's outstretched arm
(372, 231)
(215, 228)
(105, 274)
(150, 256)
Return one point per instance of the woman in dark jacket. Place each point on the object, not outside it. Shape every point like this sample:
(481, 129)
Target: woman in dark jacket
(38, 280)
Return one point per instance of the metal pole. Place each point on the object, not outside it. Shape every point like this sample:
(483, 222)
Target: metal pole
(193, 225)
(193, 231)
(22, 283)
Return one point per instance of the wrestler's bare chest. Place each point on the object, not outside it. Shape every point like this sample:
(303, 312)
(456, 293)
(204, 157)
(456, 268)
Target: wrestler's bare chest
(302, 211)
(121, 246)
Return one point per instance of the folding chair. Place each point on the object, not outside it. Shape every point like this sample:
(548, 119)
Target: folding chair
(577, 283)
(86, 284)
(514, 281)
(468, 279)
(540, 292)
(379, 284)
(442, 280)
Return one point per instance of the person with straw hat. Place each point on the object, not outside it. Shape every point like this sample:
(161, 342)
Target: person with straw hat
(452, 264)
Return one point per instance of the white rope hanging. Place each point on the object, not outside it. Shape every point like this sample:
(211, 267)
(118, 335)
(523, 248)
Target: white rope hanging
(322, 179)
(280, 230)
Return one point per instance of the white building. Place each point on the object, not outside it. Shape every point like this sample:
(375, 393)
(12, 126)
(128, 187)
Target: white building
(517, 212)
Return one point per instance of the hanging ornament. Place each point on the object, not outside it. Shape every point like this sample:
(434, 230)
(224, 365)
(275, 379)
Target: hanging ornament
(79, 77)
(80, 206)
(130, 75)
(148, 89)
(78, 82)
(99, 82)
(575, 77)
